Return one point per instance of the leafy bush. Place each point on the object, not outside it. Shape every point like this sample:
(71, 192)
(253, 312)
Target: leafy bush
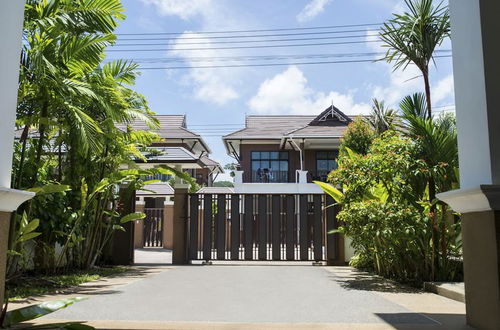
(358, 137)
(387, 213)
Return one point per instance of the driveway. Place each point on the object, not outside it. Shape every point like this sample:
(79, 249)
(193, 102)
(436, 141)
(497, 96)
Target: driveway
(272, 295)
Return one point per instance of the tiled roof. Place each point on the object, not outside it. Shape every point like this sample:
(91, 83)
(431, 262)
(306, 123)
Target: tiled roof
(160, 188)
(330, 123)
(216, 190)
(270, 126)
(171, 154)
(319, 131)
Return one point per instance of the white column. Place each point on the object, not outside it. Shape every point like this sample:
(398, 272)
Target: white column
(11, 21)
(475, 26)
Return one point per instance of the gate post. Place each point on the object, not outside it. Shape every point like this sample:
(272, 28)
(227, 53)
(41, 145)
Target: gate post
(179, 253)
(335, 251)
(139, 225)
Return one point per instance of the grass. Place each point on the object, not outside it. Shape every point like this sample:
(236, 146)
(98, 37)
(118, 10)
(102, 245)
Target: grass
(36, 284)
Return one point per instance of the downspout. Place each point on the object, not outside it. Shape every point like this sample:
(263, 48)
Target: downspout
(300, 153)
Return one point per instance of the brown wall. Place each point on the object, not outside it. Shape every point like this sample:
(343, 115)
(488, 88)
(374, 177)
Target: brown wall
(294, 160)
(168, 226)
(246, 159)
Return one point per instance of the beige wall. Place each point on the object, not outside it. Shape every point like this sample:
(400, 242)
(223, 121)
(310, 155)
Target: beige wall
(168, 224)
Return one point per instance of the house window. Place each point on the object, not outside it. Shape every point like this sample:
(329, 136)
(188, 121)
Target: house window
(325, 163)
(270, 166)
(161, 177)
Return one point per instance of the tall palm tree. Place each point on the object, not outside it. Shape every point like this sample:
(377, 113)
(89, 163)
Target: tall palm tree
(381, 117)
(437, 139)
(412, 37)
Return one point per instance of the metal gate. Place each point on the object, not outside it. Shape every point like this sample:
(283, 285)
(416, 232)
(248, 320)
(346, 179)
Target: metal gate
(153, 227)
(262, 227)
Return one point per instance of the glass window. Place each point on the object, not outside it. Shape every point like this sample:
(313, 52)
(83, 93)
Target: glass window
(326, 161)
(270, 166)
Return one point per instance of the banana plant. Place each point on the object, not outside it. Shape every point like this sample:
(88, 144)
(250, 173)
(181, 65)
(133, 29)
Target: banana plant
(14, 319)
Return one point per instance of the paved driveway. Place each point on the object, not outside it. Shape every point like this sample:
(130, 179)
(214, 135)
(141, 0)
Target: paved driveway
(259, 294)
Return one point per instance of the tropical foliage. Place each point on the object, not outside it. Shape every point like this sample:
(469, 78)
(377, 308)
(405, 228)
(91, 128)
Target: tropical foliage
(73, 116)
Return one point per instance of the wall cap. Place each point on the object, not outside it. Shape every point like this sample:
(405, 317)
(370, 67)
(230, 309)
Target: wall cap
(10, 199)
(477, 199)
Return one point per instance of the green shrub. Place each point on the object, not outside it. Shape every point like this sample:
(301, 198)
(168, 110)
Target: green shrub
(358, 137)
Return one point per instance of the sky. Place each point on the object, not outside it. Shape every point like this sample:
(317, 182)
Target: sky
(216, 100)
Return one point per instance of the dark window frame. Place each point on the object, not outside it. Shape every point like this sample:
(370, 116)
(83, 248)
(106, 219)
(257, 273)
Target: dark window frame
(329, 156)
(266, 175)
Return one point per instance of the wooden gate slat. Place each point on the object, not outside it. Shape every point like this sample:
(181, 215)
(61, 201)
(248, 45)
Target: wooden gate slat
(193, 226)
(207, 227)
(318, 228)
(248, 227)
(290, 227)
(331, 224)
(221, 226)
(303, 228)
(276, 226)
(262, 218)
(235, 227)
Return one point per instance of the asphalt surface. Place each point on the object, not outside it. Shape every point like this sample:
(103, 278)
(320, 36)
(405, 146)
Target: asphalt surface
(253, 294)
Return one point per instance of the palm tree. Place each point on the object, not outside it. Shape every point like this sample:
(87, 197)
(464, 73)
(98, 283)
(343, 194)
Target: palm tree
(437, 139)
(413, 37)
(381, 117)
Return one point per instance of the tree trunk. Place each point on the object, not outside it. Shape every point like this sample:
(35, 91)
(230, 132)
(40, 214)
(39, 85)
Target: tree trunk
(427, 84)
(24, 141)
(41, 130)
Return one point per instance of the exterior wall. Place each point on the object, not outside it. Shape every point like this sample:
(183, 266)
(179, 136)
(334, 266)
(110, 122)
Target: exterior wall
(168, 226)
(293, 162)
(202, 175)
(246, 159)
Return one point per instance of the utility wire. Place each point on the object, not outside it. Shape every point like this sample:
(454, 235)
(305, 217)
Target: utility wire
(244, 47)
(263, 64)
(251, 36)
(245, 41)
(255, 30)
(257, 57)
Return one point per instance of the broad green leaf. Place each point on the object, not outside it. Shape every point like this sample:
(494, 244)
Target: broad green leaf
(28, 236)
(331, 190)
(118, 227)
(30, 227)
(32, 312)
(50, 189)
(151, 181)
(132, 217)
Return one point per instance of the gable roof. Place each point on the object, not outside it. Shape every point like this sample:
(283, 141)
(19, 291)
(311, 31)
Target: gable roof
(270, 127)
(171, 127)
(330, 123)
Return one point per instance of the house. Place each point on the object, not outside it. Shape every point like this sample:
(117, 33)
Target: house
(285, 153)
(180, 148)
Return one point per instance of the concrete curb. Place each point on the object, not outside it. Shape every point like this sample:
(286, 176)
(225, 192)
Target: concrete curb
(451, 290)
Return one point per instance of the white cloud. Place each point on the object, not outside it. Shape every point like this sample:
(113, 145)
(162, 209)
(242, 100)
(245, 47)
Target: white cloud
(210, 85)
(185, 9)
(288, 93)
(312, 9)
(443, 90)
(401, 83)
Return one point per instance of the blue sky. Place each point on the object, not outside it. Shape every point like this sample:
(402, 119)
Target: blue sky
(223, 96)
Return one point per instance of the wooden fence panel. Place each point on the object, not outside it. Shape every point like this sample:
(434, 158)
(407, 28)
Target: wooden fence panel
(291, 234)
(263, 226)
(220, 227)
(276, 226)
(207, 227)
(318, 228)
(304, 228)
(248, 227)
(193, 226)
(235, 227)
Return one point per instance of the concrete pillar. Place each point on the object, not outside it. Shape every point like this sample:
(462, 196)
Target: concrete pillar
(168, 225)
(11, 22)
(179, 253)
(139, 226)
(475, 27)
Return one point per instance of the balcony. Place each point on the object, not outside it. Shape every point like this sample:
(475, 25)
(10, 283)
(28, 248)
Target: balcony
(268, 176)
(270, 184)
